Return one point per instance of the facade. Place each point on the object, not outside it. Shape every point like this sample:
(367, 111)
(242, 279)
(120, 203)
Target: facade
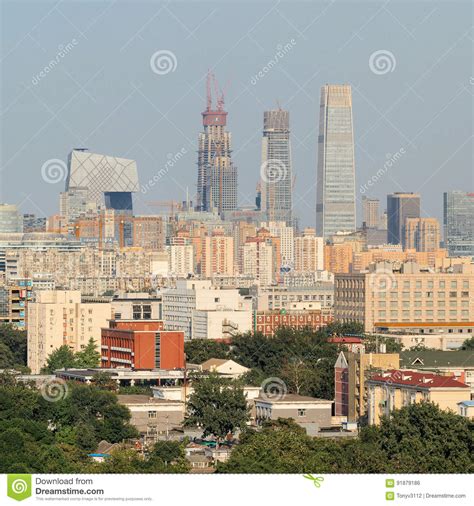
(110, 181)
(57, 318)
(287, 245)
(458, 220)
(422, 234)
(137, 306)
(371, 210)
(335, 199)
(350, 373)
(290, 298)
(75, 203)
(217, 175)
(151, 415)
(33, 223)
(466, 409)
(309, 412)
(309, 252)
(10, 219)
(217, 255)
(141, 344)
(276, 174)
(224, 367)
(395, 389)
(14, 299)
(181, 260)
(308, 316)
(148, 233)
(203, 311)
(406, 294)
(400, 206)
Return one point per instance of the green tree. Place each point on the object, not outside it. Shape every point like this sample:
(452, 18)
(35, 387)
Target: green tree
(468, 344)
(218, 405)
(199, 350)
(13, 342)
(61, 358)
(89, 357)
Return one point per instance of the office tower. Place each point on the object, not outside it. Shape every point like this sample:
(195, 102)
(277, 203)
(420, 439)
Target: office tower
(400, 206)
(33, 223)
(371, 212)
(10, 219)
(110, 181)
(335, 197)
(422, 234)
(217, 175)
(309, 252)
(276, 175)
(458, 221)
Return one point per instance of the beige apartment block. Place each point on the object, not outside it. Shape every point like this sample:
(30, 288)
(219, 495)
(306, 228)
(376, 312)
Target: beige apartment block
(404, 293)
(398, 388)
(217, 255)
(58, 317)
(309, 252)
(422, 234)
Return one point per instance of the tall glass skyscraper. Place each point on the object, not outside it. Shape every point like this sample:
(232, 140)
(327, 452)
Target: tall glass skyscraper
(276, 177)
(400, 206)
(335, 192)
(458, 220)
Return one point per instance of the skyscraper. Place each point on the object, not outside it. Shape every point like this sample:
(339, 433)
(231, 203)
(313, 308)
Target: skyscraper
(110, 181)
(458, 220)
(400, 206)
(276, 184)
(422, 234)
(371, 212)
(10, 219)
(335, 197)
(217, 175)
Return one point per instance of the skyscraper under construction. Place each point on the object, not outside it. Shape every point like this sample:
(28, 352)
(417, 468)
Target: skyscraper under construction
(217, 175)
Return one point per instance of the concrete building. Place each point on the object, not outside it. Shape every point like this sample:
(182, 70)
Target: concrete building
(400, 206)
(335, 199)
(286, 235)
(137, 306)
(148, 233)
(350, 374)
(10, 219)
(308, 252)
(458, 221)
(224, 367)
(289, 298)
(152, 415)
(371, 212)
(304, 315)
(309, 412)
(14, 300)
(466, 409)
(110, 181)
(404, 294)
(261, 259)
(203, 311)
(57, 318)
(217, 255)
(395, 389)
(276, 174)
(422, 234)
(181, 260)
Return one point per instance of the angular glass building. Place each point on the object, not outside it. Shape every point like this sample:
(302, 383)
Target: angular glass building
(400, 206)
(110, 181)
(276, 174)
(335, 191)
(458, 220)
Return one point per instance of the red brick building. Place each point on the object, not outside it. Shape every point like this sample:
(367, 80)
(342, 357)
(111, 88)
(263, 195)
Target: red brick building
(141, 344)
(267, 322)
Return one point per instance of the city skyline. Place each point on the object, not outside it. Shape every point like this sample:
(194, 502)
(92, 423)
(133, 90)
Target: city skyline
(127, 120)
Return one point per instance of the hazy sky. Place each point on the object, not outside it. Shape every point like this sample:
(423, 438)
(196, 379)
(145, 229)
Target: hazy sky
(409, 63)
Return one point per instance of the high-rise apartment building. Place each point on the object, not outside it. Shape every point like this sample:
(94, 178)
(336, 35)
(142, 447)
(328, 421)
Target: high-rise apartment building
(422, 234)
(309, 252)
(400, 206)
(276, 174)
(335, 198)
(286, 234)
(217, 175)
(370, 209)
(57, 318)
(458, 220)
(217, 255)
(181, 260)
(110, 181)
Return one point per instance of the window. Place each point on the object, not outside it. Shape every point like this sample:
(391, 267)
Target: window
(302, 412)
(151, 414)
(418, 284)
(442, 284)
(453, 294)
(454, 284)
